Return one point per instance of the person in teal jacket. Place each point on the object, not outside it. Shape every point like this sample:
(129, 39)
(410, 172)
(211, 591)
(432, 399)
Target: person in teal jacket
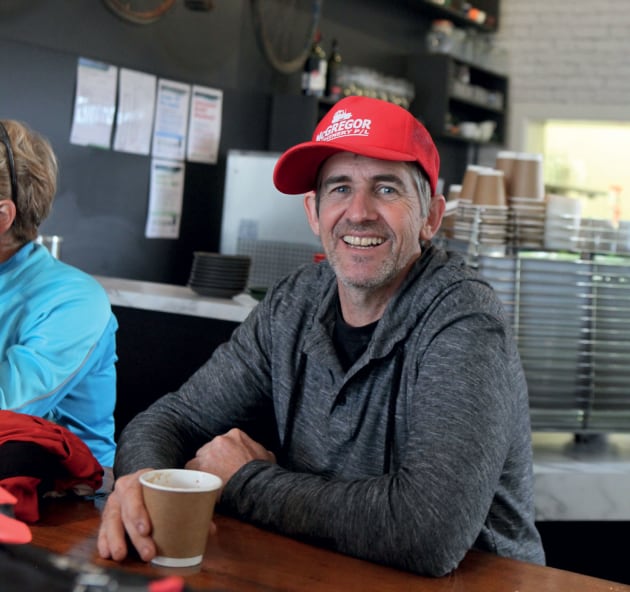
(57, 329)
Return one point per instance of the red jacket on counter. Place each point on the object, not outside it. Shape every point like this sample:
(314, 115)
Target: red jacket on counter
(40, 458)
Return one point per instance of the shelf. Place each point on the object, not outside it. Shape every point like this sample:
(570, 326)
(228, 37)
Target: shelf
(446, 96)
(460, 19)
(459, 138)
(564, 189)
(476, 104)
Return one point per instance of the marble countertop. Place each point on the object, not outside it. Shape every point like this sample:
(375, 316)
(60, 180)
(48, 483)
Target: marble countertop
(175, 299)
(586, 482)
(581, 482)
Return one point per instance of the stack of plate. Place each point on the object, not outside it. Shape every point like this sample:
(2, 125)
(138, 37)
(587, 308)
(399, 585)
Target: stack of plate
(501, 273)
(485, 227)
(623, 237)
(554, 337)
(562, 224)
(217, 275)
(597, 236)
(528, 217)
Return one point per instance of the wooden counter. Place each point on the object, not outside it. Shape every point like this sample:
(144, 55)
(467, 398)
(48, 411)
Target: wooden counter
(243, 558)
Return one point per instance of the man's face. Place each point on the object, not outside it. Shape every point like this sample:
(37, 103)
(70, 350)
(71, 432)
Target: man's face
(369, 220)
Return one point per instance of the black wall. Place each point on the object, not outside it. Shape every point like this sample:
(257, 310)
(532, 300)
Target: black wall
(102, 199)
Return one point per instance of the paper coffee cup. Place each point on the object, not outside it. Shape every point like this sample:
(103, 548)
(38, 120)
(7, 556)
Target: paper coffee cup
(527, 176)
(489, 188)
(467, 191)
(181, 504)
(505, 162)
(453, 192)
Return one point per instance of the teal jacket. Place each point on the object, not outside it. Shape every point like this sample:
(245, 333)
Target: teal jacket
(58, 347)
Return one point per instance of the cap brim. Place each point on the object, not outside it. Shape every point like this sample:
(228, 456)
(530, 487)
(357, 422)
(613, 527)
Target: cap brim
(296, 170)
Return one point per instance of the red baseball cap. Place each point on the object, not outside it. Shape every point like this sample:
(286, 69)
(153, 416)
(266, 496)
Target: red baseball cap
(361, 125)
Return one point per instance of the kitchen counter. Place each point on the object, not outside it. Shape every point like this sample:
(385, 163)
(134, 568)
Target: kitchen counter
(581, 482)
(572, 483)
(175, 299)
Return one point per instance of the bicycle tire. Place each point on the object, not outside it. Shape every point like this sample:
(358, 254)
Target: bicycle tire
(284, 31)
(138, 12)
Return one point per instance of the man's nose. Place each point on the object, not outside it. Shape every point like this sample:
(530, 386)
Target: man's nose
(362, 205)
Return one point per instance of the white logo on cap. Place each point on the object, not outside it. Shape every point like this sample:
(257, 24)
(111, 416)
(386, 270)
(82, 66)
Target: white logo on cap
(341, 114)
(343, 125)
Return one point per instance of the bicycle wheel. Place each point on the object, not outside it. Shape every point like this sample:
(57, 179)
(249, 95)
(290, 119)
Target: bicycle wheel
(140, 12)
(285, 30)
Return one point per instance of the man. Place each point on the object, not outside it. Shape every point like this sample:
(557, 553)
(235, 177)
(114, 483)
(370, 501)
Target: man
(57, 330)
(373, 403)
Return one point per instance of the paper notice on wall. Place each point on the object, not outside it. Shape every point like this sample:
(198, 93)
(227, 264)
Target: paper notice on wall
(204, 131)
(166, 195)
(136, 107)
(171, 120)
(94, 103)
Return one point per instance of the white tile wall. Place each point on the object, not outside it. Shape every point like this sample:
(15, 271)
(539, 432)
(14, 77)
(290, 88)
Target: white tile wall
(573, 52)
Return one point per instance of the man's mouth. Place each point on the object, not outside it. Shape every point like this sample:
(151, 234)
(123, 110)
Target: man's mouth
(363, 241)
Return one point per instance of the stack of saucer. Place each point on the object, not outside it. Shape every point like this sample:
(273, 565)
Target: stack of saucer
(482, 226)
(217, 275)
(528, 218)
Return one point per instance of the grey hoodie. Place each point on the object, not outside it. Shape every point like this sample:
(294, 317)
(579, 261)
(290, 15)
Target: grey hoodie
(418, 453)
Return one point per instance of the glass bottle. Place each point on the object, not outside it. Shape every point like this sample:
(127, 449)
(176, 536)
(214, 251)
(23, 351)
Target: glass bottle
(333, 82)
(440, 38)
(315, 66)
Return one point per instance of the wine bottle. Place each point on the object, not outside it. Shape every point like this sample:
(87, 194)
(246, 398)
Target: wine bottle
(314, 74)
(333, 82)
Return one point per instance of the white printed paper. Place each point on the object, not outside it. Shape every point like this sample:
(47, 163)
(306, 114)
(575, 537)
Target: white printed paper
(166, 196)
(94, 103)
(171, 120)
(136, 107)
(204, 131)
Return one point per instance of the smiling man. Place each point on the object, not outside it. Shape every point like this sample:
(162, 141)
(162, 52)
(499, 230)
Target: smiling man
(373, 403)
(369, 217)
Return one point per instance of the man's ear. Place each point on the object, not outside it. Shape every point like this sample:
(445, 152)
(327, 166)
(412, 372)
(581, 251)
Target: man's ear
(7, 214)
(310, 206)
(434, 219)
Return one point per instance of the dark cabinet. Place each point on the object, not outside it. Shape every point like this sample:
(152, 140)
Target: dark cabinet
(451, 91)
(292, 120)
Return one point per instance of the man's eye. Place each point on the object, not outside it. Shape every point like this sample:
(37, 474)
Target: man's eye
(339, 189)
(386, 190)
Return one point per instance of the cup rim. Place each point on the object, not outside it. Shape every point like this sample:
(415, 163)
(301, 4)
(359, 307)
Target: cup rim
(211, 482)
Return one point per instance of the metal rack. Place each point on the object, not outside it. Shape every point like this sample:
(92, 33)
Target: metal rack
(571, 320)
(570, 311)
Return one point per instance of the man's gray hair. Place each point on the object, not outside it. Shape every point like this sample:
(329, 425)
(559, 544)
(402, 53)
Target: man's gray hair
(423, 185)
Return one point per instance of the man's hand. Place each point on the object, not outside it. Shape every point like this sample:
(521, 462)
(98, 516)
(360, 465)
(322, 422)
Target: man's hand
(125, 511)
(225, 455)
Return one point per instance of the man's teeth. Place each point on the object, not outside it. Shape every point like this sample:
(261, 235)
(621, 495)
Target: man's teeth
(362, 241)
